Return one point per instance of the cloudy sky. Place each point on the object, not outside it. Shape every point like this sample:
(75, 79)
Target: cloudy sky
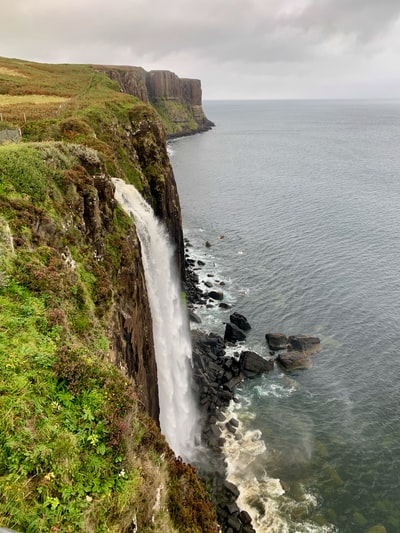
(238, 48)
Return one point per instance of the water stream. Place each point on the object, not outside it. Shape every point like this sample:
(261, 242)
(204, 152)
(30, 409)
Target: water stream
(178, 412)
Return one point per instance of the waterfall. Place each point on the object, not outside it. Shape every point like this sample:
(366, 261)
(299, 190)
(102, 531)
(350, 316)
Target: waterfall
(178, 413)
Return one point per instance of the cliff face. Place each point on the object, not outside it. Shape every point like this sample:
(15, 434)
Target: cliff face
(177, 100)
(78, 378)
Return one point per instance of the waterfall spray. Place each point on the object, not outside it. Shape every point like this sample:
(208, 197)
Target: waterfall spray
(178, 413)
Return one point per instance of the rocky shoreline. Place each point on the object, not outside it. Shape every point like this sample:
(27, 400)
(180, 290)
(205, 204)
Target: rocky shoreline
(216, 376)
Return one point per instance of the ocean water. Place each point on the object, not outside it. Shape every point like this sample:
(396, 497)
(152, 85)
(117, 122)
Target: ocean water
(300, 201)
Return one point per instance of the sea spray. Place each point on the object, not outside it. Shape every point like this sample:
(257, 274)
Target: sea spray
(178, 413)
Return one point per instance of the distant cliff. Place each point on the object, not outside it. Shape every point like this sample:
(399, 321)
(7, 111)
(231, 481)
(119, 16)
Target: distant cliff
(177, 100)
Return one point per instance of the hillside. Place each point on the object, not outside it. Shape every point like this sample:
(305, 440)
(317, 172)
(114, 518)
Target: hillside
(80, 448)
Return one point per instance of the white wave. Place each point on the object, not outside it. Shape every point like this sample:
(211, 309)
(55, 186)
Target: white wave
(262, 496)
(170, 151)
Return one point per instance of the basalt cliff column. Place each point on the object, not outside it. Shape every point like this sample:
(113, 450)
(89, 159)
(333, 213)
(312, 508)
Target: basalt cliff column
(177, 100)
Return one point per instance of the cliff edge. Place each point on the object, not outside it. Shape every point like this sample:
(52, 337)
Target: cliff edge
(80, 448)
(177, 100)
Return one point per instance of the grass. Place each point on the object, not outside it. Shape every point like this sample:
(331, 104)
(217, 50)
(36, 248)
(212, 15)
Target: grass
(77, 451)
(35, 99)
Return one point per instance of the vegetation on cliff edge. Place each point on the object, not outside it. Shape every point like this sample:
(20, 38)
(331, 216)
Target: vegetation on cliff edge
(77, 450)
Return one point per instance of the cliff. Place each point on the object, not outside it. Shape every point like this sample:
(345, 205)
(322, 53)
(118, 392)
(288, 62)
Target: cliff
(80, 449)
(177, 100)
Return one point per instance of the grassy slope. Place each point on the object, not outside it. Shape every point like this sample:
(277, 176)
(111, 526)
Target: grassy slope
(77, 453)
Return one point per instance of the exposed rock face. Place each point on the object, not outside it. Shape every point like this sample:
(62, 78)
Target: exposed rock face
(132, 80)
(233, 333)
(178, 100)
(294, 360)
(147, 144)
(277, 341)
(252, 364)
(129, 314)
(240, 321)
(305, 343)
(294, 350)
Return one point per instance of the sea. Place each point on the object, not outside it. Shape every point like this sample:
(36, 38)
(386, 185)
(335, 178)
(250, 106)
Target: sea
(300, 204)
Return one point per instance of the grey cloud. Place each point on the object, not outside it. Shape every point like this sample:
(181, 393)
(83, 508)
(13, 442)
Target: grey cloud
(255, 36)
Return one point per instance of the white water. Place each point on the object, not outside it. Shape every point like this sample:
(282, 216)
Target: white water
(178, 413)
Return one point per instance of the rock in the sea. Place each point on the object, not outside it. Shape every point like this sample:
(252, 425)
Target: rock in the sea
(294, 360)
(233, 333)
(277, 341)
(252, 364)
(305, 343)
(240, 321)
(216, 295)
(224, 305)
(194, 318)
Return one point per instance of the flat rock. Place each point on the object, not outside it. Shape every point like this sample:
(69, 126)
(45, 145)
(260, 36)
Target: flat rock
(305, 343)
(194, 318)
(277, 341)
(252, 364)
(294, 360)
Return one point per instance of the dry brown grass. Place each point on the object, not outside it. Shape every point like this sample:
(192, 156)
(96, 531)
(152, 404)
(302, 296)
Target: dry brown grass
(5, 71)
(7, 100)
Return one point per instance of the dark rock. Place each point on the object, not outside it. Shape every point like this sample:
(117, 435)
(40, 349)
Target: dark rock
(194, 318)
(294, 360)
(240, 321)
(208, 284)
(231, 489)
(207, 244)
(277, 341)
(200, 263)
(220, 416)
(304, 343)
(234, 523)
(245, 518)
(233, 333)
(231, 384)
(234, 422)
(224, 305)
(232, 508)
(252, 364)
(216, 295)
(230, 427)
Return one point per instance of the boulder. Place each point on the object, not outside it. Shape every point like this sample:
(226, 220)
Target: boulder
(240, 321)
(305, 343)
(216, 295)
(277, 341)
(224, 305)
(252, 364)
(194, 318)
(231, 384)
(231, 489)
(245, 518)
(233, 333)
(293, 360)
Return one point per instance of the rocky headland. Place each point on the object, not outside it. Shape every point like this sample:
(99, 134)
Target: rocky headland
(177, 100)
